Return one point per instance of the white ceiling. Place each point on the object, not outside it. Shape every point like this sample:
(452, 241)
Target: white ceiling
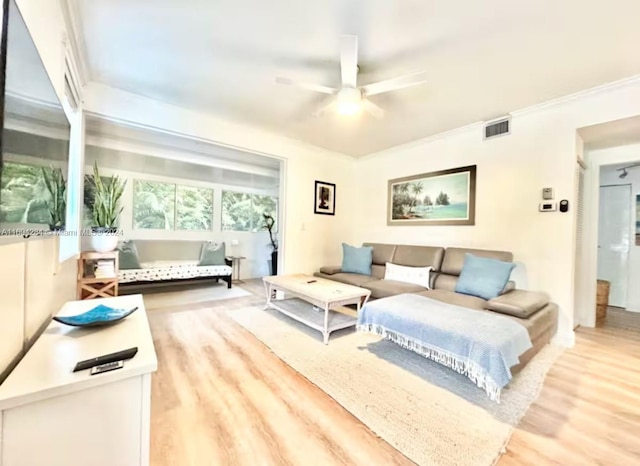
(484, 58)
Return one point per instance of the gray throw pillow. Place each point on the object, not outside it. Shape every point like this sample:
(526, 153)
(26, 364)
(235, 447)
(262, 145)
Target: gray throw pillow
(212, 254)
(128, 256)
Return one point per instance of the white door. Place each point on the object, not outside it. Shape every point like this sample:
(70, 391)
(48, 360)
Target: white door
(614, 239)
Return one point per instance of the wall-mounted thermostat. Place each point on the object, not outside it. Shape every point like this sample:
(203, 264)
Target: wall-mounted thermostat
(548, 207)
(547, 193)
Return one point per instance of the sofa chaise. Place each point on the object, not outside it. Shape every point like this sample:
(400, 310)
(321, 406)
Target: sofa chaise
(531, 309)
(169, 262)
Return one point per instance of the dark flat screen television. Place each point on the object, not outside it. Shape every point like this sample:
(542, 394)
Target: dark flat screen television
(34, 136)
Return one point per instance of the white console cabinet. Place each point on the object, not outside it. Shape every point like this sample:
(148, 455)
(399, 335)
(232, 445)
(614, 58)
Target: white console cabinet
(51, 416)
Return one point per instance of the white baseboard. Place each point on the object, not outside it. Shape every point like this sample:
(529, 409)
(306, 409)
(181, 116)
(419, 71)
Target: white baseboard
(566, 339)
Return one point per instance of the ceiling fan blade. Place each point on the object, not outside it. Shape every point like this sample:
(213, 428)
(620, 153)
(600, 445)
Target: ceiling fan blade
(308, 86)
(327, 105)
(372, 108)
(395, 83)
(349, 60)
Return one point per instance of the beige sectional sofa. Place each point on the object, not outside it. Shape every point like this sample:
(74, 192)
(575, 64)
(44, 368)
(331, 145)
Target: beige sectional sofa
(531, 309)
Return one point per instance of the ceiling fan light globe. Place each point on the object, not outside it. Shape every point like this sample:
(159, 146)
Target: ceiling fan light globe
(349, 108)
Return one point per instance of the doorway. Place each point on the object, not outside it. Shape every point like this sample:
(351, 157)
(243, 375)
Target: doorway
(614, 239)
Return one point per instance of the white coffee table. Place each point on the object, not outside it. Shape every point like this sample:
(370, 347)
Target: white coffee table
(312, 300)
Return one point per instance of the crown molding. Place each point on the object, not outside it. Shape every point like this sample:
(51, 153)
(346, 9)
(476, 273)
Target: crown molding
(75, 39)
(620, 84)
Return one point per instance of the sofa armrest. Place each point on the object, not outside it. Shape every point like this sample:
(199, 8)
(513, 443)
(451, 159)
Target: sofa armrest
(228, 261)
(518, 303)
(331, 269)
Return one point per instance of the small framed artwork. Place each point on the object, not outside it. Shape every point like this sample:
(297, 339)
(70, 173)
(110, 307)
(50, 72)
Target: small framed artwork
(325, 198)
(446, 197)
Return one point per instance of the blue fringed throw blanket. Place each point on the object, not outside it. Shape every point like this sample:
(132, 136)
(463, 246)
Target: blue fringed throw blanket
(476, 344)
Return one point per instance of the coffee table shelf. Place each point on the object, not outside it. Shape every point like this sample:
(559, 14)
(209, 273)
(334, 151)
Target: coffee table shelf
(312, 301)
(305, 313)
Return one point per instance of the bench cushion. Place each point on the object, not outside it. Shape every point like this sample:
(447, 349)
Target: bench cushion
(171, 270)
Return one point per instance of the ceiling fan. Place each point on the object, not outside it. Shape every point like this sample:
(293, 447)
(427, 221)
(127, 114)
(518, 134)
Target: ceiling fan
(350, 99)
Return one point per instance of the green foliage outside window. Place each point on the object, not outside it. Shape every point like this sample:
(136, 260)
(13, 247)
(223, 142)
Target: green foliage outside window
(153, 205)
(194, 207)
(244, 212)
(165, 206)
(24, 194)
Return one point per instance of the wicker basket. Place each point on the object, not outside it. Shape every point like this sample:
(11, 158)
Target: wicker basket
(602, 300)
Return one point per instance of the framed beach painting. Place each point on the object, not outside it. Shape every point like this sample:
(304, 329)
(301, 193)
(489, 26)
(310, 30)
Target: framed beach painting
(325, 198)
(446, 197)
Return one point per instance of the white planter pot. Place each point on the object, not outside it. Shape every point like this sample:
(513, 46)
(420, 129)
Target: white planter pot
(104, 242)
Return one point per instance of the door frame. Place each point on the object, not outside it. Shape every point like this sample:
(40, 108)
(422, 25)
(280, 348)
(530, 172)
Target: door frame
(594, 161)
(630, 185)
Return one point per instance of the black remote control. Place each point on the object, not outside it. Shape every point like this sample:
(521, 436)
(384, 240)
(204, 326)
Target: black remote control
(118, 356)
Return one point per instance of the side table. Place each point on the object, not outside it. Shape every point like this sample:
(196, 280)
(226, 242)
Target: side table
(235, 267)
(97, 275)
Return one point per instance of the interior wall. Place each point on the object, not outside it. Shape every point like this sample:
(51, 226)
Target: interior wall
(251, 245)
(609, 176)
(309, 240)
(33, 286)
(540, 152)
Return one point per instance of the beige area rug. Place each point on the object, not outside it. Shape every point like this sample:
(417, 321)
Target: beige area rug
(431, 414)
(192, 295)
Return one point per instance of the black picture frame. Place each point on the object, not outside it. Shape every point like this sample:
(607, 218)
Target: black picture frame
(324, 198)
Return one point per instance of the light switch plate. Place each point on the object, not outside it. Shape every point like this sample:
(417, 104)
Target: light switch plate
(548, 207)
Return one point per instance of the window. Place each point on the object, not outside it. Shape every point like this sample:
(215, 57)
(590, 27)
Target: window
(166, 206)
(243, 211)
(194, 207)
(154, 205)
(24, 194)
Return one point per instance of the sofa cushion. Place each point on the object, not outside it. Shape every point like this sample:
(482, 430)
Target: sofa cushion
(518, 303)
(354, 279)
(331, 269)
(356, 260)
(128, 256)
(483, 277)
(454, 258)
(377, 271)
(418, 256)
(451, 297)
(402, 273)
(212, 253)
(386, 288)
(382, 253)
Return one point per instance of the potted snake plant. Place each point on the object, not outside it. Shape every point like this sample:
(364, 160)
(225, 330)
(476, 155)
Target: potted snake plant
(57, 202)
(106, 210)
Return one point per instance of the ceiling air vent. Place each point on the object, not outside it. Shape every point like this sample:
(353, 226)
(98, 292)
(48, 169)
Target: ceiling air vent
(497, 128)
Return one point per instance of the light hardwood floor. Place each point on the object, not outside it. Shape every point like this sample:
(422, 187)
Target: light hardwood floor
(221, 398)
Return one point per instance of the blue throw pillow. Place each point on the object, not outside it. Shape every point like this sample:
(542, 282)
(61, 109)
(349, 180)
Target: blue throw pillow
(357, 260)
(483, 277)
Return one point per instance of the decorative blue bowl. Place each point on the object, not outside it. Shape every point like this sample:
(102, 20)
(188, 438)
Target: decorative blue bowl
(99, 315)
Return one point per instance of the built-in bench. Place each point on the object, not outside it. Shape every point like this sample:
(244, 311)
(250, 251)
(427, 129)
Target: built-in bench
(170, 262)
